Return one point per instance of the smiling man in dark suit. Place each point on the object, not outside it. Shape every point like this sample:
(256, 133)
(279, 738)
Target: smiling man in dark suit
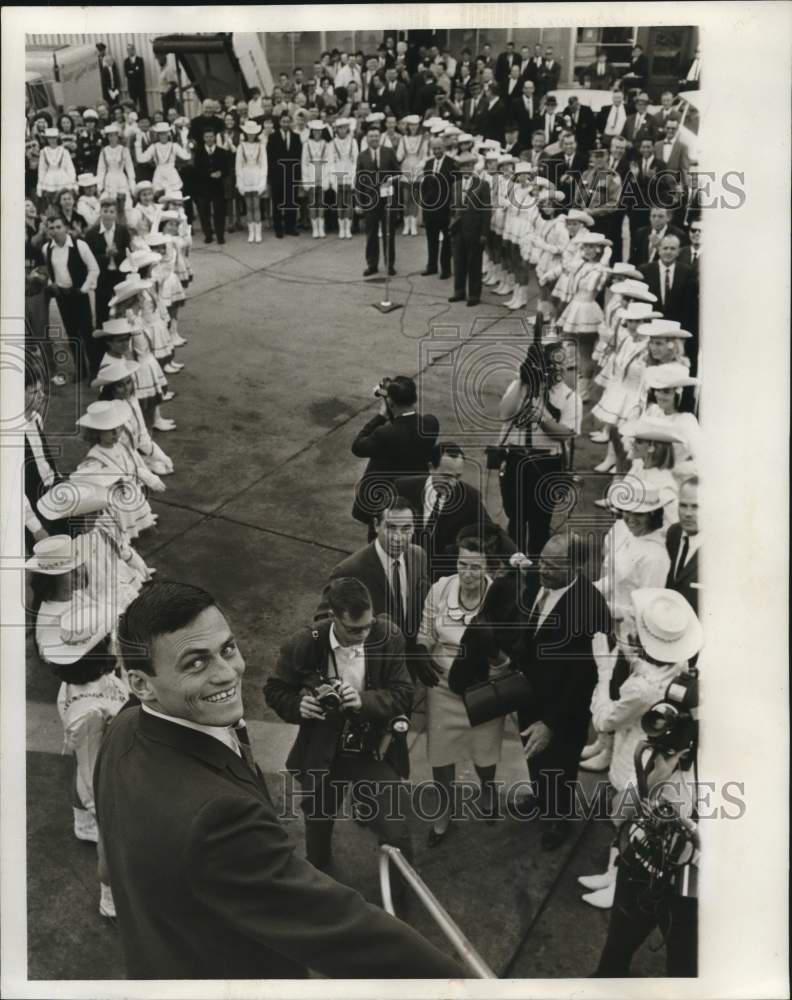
(284, 159)
(375, 179)
(683, 542)
(205, 881)
(436, 184)
(579, 119)
(524, 110)
(471, 213)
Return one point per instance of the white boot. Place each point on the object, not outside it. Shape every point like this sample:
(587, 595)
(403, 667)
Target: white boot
(592, 882)
(258, 231)
(85, 825)
(602, 898)
(600, 437)
(106, 902)
(515, 296)
(406, 226)
(609, 462)
(251, 231)
(315, 228)
(322, 233)
(415, 225)
(507, 286)
(342, 229)
(520, 298)
(494, 275)
(348, 231)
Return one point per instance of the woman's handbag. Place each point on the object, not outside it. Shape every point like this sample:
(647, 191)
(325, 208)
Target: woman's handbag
(492, 699)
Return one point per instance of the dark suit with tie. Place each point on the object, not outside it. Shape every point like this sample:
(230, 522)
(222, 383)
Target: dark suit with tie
(109, 277)
(375, 168)
(686, 257)
(681, 302)
(638, 72)
(681, 578)
(437, 534)
(551, 124)
(209, 190)
(205, 880)
(365, 565)
(548, 77)
(532, 69)
(567, 177)
(583, 123)
(634, 132)
(471, 214)
(34, 484)
(559, 664)
(504, 63)
(436, 185)
(135, 74)
(284, 164)
(397, 99)
(523, 112)
(641, 246)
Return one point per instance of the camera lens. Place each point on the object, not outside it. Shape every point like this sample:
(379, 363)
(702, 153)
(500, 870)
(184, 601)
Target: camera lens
(659, 720)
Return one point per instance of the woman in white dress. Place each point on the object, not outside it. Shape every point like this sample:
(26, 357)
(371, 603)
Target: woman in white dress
(164, 153)
(551, 239)
(499, 195)
(583, 315)
(251, 175)
(55, 169)
(316, 174)
(143, 217)
(88, 202)
(577, 222)
(650, 445)
(664, 384)
(451, 605)
(415, 150)
(343, 163)
(115, 172)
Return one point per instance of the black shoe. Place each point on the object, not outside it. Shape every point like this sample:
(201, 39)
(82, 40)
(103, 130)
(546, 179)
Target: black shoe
(208, 239)
(369, 271)
(392, 271)
(457, 298)
(278, 236)
(427, 272)
(221, 239)
(524, 808)
(293, 232)
(473, 302)
(445, 275)
(436, 838)
(555, 835)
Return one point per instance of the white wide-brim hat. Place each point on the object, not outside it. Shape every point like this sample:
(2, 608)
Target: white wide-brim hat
(412, 119)
(133, 262)
(668, 627)
(115, 371)
(111, 129)
(160, 128)
(669, 376)
(169, 215)
(638, 311)
(52, 133)
(465, 158)
(74, 496)
(505, 158)
(523, 168)
(625, 270)
(120, 327)
(650, 430)
(634, 496)
(595, 240)
(128, 289)
(104, 415)
(173, 197)
(633, 289)
(143, 186)
(316, 125)
(577, 215)
(251, 128)
(86, 180)
(55, 555)
(80, 628)
(158, 239)
(663, 328)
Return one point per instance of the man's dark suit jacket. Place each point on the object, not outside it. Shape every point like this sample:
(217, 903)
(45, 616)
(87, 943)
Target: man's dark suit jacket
(207, 884)
(471, 212)
(202, 123)
(96, 241)
(686, 258)
(283, 166)
(304, 658)
(585, 127)
(682, 303)
(394, 448)
(503, 66)
(640, 250)
(368, 180)
(558, 662)
(548, 77)
(365, 565)
(493, 121)
(111, 81)
(690, 571)
(463, 509)
(135, 73)
(524, 118)
(556, 169)
(206, 164)
(436, 190)
(399, 100)
(639, 68)
(634, 135)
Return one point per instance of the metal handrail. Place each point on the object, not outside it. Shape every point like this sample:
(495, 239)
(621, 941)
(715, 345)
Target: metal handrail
(467, 953)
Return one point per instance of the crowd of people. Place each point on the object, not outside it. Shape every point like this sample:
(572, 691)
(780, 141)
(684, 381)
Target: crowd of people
(595, 217)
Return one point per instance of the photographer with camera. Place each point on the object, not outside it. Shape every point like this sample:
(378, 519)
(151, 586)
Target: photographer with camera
(541, 416)
(397, 442)
(658, 845)
(346, 685)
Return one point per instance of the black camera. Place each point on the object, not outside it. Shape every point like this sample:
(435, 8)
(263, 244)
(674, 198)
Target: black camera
(381, 388)
(326, 693)
(671, 725)
(660, 848)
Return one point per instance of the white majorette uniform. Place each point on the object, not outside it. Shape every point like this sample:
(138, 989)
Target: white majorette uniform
(584, 314)
(135, 433)
(171, 291)
(315, 164)
(55, 170)
(143, 219)
(251, 167)
(685, 425)
(416, 152)
(571, 259)
(88, 207)
(500, 195)
(115, 173)
(116, 571)
(164, 154)
(154, 320)
(552, 240)
(609, 336)
(343, 161)
(525, 229)
(149, 378)
(133, 510)
(623, 388)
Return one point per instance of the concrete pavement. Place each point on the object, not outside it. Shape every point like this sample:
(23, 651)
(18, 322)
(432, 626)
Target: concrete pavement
(284, 348)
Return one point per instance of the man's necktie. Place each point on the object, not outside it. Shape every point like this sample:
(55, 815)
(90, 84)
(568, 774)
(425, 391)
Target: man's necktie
(243, 740)
(667, 286)
(434, 514)
(682, 557)
(398, 600)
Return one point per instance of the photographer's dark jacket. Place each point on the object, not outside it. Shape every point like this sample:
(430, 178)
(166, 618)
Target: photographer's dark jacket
(388, 692)
(399, 447)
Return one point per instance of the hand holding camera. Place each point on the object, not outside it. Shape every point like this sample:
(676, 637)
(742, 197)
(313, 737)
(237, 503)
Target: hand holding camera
(310, 707)
(350, 698)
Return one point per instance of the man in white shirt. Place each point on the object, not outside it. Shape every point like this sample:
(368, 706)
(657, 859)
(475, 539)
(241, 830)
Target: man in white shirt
(347, 73)
(683, 542)
(614, 118)
(692, 77)
(73, 273)
(41, 471)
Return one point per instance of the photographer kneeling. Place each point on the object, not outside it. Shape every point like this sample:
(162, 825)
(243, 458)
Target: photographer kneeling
(541, 414)
(346, 684)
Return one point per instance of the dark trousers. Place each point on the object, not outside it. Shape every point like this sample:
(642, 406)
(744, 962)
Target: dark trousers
(554, 772)
(140, 99)
(374, 218)
(105, 284)
(531, 485)
(75, 310)
(209, 209)
(467, 265)
(284, 209)
(632, 920)
(375, 786)
(434, 246)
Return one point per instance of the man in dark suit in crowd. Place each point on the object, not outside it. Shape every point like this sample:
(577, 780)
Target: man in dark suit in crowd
(524, 111)
(566, 170)
(647, 240)
(396, 96)
(601, 72)
(207, 119)
(393, 570)
(649, 182)
(471, 213)
(673, 152)
(567, 611)
(135, 73)
(691, 254)
(493, 119)
(537, 156)
(436, 184)
(549, 74)
(579, 119)
(284, 159)
(444, 505)
(375, 180)
(550, 121)
(41, 469)
(510, 87)
(364, 655)
(532, 66)
(600, 194)
(397, 442)
(111, 81)
(638, 71)
(109, 241)
(505, 61)
(683, 542)
(212, 166)
(205, 881)
(692, 77)
(640, 124)
(677, 290)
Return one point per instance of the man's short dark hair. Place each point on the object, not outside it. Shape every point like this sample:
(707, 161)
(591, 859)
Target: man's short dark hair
(347, 595)
(393, 503)
(402, 390)
(445, 448)
(163, 607)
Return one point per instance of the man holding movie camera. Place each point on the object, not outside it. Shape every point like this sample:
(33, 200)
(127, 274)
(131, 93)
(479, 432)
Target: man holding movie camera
(346, 684)
(397, 442)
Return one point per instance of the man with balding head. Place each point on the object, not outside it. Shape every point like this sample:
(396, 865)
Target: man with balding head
(677, 289)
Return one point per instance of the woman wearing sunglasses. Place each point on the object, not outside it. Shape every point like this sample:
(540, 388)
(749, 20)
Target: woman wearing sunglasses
(451, 605)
